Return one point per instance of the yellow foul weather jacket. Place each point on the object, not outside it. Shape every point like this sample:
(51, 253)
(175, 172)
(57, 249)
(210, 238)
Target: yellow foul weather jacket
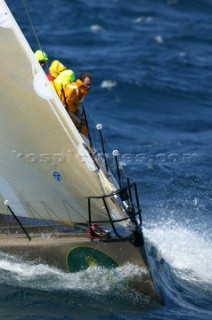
(71, 94)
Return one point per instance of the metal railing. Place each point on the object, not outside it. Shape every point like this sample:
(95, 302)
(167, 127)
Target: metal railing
(132, 209)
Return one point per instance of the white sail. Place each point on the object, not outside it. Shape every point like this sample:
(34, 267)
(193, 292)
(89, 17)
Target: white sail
(45, 170)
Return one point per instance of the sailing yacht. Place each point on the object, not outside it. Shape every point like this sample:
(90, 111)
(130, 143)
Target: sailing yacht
(60, 202)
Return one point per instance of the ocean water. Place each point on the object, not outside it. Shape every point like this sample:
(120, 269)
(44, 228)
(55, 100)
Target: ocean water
(152, 89)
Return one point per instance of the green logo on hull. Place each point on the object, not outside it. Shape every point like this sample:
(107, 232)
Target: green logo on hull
(81, 258)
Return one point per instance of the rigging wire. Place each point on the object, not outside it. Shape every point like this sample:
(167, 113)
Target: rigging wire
(32, 26)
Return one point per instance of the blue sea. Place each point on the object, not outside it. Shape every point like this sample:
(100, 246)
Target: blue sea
(151, 62)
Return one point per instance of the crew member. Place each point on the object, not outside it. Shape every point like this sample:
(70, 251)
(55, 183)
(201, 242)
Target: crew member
(55, 69)
(71, 93)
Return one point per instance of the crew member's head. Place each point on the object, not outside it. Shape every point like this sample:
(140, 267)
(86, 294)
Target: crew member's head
(86, 78)
(42, 57)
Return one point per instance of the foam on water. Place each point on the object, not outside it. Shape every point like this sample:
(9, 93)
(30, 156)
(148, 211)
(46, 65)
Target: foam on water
(95, 279)
(186, 251)
(96, 28)
(108, 84)
(96, 287)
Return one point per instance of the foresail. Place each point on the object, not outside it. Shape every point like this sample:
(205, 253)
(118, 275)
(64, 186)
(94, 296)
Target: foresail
(45, 170)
